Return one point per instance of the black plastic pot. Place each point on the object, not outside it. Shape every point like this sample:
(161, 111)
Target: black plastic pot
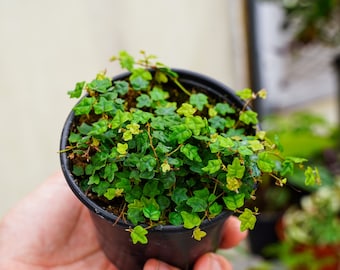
(172, 244)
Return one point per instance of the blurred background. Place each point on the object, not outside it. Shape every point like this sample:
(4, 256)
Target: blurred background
(289, 47)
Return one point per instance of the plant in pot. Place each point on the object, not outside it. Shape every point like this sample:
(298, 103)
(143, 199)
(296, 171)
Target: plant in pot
(312, 231)
(162, 157)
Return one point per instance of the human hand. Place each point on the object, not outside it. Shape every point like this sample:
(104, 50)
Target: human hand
(51, 229)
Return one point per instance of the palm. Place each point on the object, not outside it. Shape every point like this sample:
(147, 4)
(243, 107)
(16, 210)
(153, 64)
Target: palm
(59, 236)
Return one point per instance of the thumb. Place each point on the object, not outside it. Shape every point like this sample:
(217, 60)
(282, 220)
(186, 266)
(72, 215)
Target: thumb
(212, 261)
(153, 264)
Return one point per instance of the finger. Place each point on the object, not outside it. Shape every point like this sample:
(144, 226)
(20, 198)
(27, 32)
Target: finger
(232, 234)
(212, 261)
(154, 264)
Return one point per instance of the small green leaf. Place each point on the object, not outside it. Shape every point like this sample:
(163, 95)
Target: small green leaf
(256, 145)
(197, 204)
(99, 127)
(312, 176)
(135, 215)
(191, 220)
(213, 166)
(84, 106)
(112, 193)
(94, 179)
(138, 83)
(140, 78)
(152, 188)
(191, 152)
(247, 219)
(158, 94)
(101, 188)
(143, 101)
(224, 108)
(186, 109)
(141, 116)
(215, 209)
(175, 219)
(245, 93)
(151, 212)
(76, 93)
(265, 163)
(138, 234)
(234, 201)
(147, 163)
(248, 117)
(199, 100)
(195, 124)
(198, 234)
(218, 122)
(180, 133)
(103, 106)
(126, 60)
(100, 85)
(120, 118)
(78, 170)
(287, 167)
(121, 87)
(179, 195)
(225, 142)
(236, 169)
(122, 148)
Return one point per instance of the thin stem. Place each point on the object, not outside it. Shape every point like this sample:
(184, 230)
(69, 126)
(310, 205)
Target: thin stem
(150, 139)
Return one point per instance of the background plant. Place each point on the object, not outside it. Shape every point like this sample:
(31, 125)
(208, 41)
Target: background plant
(154, 152)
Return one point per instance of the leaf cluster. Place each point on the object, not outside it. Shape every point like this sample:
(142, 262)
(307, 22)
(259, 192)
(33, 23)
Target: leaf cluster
(156, 152)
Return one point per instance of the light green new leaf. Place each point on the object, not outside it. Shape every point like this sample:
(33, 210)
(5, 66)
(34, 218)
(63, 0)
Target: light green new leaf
(247, 219)
(256, 145)
(248, 117)
(236, 169)
(245, 93)
(138, 234)
(213, 166)
(312, 176)
(191, 220)
(225, 142)
(198, 234)
(186, 109)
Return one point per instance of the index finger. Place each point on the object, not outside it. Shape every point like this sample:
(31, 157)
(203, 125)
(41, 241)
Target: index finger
(232, 234)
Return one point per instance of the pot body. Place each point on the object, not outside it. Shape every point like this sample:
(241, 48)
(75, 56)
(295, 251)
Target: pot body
(172, 244)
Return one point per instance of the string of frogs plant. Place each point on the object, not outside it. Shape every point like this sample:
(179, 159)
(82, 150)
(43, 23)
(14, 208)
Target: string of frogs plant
(154, 152)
